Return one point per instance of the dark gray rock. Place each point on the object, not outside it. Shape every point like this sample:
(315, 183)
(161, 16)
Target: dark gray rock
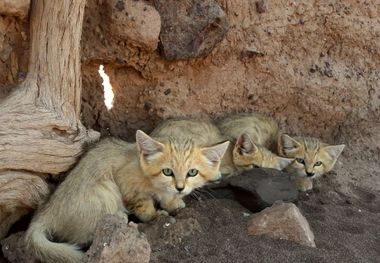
(190, 28)
(260, 188)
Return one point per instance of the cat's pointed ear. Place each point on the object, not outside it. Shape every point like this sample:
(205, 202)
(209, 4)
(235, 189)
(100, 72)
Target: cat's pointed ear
(334, 151)
(147, 146)
(283, 163)
(245, 144)
(287, 144)
(214, 154)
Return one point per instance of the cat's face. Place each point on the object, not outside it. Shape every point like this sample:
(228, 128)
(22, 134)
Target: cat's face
(178, 167)
(312, 158)
(247, 155)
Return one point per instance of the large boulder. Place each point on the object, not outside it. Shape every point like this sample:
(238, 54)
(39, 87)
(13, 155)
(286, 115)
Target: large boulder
(135, 22)
(282, 221)
(190, 28)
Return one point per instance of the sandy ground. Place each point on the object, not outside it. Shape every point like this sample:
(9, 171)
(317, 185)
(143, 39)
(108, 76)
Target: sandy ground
(347, 229)
(344, 217)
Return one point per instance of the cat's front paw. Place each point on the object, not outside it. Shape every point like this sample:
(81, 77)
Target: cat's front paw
(174, 205)
(122, 215)
(161, 213)
(180, 205)
(304, 184)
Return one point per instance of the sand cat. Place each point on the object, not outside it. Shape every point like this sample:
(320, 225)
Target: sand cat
(312, 158)
(114, 175)
(241, 156)
(253, 135)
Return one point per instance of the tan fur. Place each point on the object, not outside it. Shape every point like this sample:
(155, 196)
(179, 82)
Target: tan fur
(253, 135)
(261, 129)
(110, 175)
(202, 131)
(21, 193)
(307, 153)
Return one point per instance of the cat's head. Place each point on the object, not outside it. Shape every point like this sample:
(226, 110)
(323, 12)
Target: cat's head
(179, 166)
(247, 155)
(312, 157)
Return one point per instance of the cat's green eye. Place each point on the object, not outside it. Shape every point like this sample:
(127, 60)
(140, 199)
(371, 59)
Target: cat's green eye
(192, 172)
(168, 172)
(319, 163)
(300, 160)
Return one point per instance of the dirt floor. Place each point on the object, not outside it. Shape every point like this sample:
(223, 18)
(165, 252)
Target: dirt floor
(213, 228)
(347, 229)
(317, 73)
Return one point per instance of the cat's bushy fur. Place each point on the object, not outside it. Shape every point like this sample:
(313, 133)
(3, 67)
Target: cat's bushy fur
(113, 176)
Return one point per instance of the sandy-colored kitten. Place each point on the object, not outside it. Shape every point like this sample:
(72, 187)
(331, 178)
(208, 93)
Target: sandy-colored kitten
(253, 136)
(114, 175)
(312, 158)
(243, 154)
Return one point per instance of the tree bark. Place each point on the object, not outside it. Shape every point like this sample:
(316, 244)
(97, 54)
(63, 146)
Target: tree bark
(40, 128)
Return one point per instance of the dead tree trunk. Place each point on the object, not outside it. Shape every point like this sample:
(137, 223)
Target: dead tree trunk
(40, 128)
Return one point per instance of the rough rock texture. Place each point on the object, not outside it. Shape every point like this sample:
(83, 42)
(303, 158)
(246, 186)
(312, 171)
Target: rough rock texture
(168, 230)
(119, 32)
(261, 188)
(344, 232)
(282, 221)
(19, 8)
(134, 22)
(190, 28)
(313, 65)
(14, 249)
(117, 241)
(346, 229)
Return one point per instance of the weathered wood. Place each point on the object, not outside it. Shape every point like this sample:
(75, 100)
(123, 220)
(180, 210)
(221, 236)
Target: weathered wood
(21, 192)
(40, 128)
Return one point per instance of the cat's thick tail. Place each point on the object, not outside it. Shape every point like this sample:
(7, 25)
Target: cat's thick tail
(47, 251)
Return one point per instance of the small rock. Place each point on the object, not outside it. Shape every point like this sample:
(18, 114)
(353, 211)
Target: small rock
(135, 22)
(120, 5)
(167, 91)
(18, 8)
(124, 243)
(250, 52)
(261, 6)
(260, 188)
(246, 214)
(190, 28)
(282, 221)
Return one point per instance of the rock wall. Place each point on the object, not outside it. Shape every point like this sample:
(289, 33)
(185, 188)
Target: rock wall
(313, 65)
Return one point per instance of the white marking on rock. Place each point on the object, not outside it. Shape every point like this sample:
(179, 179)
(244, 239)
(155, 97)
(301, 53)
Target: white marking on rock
(107, 88)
